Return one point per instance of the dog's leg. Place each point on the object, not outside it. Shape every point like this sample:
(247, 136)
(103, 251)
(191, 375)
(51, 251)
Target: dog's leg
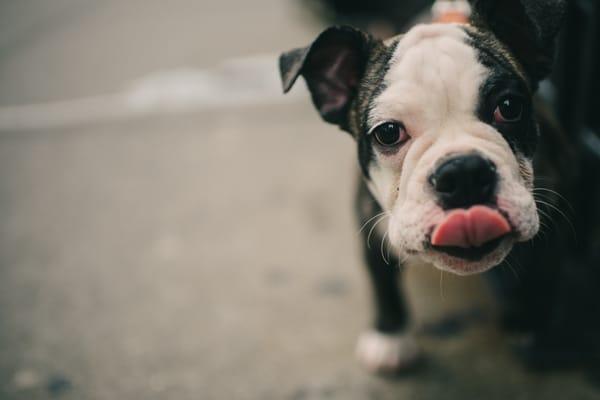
(388, 347)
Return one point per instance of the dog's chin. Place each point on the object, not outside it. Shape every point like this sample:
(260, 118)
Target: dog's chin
(468, 261)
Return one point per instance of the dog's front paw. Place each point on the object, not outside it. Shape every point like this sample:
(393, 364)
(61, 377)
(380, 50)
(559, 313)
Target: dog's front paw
(387, 353)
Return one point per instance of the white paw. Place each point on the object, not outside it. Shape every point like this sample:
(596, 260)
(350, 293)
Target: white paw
(387, 353)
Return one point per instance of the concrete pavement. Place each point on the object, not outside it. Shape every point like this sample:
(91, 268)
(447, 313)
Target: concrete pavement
(206, 253)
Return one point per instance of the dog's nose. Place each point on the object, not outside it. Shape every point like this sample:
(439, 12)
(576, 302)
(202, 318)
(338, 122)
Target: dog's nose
(463, 181)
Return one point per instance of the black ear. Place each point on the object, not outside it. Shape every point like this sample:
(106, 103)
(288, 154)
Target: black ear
(332, 66)
(527, 27)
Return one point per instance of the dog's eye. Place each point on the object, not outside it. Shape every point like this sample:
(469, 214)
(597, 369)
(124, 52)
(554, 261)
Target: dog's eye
(509, 109)
(390, 134)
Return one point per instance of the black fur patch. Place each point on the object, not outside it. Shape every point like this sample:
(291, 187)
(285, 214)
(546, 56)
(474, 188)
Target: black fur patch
(527, 27)
(504, 78)
(371, 86)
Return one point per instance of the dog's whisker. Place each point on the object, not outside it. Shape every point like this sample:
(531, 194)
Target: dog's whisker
(545, 228)
(546, 215)
(373, 229)
(543, 234)
(542, 196)
(517, 277)
(402, 258)
(558, 210)
(381, 248)
(371, 219)
(563, 198)
(546, 189)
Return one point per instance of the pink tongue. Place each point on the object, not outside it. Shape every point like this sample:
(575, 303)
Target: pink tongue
(470, 228)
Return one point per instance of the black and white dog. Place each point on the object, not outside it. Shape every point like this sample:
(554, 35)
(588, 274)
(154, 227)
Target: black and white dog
(446, 126)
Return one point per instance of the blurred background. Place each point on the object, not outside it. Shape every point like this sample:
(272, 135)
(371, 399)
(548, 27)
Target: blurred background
(173, 227)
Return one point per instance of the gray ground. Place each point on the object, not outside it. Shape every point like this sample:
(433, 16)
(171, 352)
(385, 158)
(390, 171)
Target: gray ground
(199, 254)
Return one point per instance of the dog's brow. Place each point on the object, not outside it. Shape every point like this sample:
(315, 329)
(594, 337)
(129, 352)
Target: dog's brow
(497, 52)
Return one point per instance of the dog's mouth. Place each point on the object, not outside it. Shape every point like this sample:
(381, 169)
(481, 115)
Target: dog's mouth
(470, 234)
(471, 253)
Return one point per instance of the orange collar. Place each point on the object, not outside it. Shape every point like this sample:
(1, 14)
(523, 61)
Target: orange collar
(451, 11)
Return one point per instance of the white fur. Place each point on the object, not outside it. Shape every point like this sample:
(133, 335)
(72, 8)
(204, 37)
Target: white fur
(380, 352)
(432, 87)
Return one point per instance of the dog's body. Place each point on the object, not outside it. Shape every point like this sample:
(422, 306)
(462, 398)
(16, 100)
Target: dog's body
(447, 128)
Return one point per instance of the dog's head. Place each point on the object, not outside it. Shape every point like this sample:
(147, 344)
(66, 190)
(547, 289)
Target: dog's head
(444, 124)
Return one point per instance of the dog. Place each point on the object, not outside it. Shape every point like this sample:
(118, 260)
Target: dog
(448, 128)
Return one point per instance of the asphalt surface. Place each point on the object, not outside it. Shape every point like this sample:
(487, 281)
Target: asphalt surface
(198, 249)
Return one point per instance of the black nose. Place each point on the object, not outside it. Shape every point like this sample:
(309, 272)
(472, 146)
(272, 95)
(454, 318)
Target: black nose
(464, 181)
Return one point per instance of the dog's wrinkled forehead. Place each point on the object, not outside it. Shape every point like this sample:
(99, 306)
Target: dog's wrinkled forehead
(434, 74)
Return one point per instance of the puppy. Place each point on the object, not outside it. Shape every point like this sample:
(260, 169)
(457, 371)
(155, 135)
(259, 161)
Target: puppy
(446, 128)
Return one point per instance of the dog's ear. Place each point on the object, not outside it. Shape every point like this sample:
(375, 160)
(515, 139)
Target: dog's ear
(527, 27)
(332, 66)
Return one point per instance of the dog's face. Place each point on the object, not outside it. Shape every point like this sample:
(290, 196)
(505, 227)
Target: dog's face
(444, 124)
(452, 130)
